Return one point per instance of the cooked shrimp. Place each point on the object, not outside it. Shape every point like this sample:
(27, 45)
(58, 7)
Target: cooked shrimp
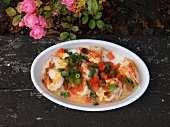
(56, 80)
(59, 63)
(129, 69)
(85, 90)
(85, 70)
(115, 94)
(62, 55)
(92, 56)
(100, 93)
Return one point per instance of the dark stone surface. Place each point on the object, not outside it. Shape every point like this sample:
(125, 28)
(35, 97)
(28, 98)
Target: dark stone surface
(21, 105)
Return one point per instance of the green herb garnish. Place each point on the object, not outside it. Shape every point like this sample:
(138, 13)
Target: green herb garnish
(78, 76)
(95, 103)
(103, 83)
(93, 95)
(112, 87)
(129, 81)
(114, 72)
(90, 75)
(64, 73)
(64, 94)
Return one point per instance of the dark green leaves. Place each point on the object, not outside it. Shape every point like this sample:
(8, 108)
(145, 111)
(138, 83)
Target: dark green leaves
(7, 2)
(92, 6)
(11, 11)
(92, 24)
(93, 95)
(100, 24)
(98, 15)
(64, 35)
(130, 82)
(85, 19)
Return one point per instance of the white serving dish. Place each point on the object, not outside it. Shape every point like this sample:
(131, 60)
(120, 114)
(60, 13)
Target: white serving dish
(36, 69)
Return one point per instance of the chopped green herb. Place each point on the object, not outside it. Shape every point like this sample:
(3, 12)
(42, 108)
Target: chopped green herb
(78, 76)
(114, 72)
(70, 80)
(89, 87)
(66, 60)
(69, 66)
(93, 95)
(90, 75)
(59, 69)
(112, 87)
(64, 94)
(78, 81)
(103, 83)
(66, 51)
(64, 73)
(108, 65)
(129, 81)
(65, 86)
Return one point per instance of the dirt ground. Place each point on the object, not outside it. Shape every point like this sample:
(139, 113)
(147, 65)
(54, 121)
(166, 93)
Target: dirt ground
(124, 17)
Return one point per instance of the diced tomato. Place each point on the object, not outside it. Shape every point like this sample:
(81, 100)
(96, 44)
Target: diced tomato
(112, 64)
(74, 90)
(104, 75)
(81, 87)
(95, 87)
(129, 87)
(106, 88)
(118, 76)
(117, 66)
(102, 66)
(88, 100)
(61, 50)
(69, 94)
(110, 56)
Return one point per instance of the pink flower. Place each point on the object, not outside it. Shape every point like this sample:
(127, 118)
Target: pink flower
(54, 13)
(69, 7)
(43, 22)
(21, 24)
(28, 6)
(31, 20)
(67, 2)
(37, 32)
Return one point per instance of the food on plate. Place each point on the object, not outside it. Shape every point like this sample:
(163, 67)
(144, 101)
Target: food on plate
(90, 75)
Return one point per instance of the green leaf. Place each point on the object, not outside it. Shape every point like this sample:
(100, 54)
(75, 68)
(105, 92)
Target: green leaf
(92, 24)
(16, 20)
(18, 7)
(98, 15)
(92, 6)
(11, 11)
(73, 36)
(85, 19)
(68, 18)
(64, 10)
(85, 13)
(65, 25)
(7, 2)
(100, 7)
(74, 28)
(64, 35)
(100, 24)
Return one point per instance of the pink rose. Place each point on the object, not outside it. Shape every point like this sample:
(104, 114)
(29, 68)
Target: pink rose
(67, 2)
(31, 20)
(21, 24)
(28, 6)
(37, 32)
(69, 7)
(43, 22)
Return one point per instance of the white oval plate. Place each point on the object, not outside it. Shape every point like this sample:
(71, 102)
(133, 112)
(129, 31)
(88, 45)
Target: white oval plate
(36, 69)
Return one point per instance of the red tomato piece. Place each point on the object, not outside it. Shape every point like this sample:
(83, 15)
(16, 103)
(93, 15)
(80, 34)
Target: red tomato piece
(129, 87)
(102, 66)
(110, 56)
(61, 50)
